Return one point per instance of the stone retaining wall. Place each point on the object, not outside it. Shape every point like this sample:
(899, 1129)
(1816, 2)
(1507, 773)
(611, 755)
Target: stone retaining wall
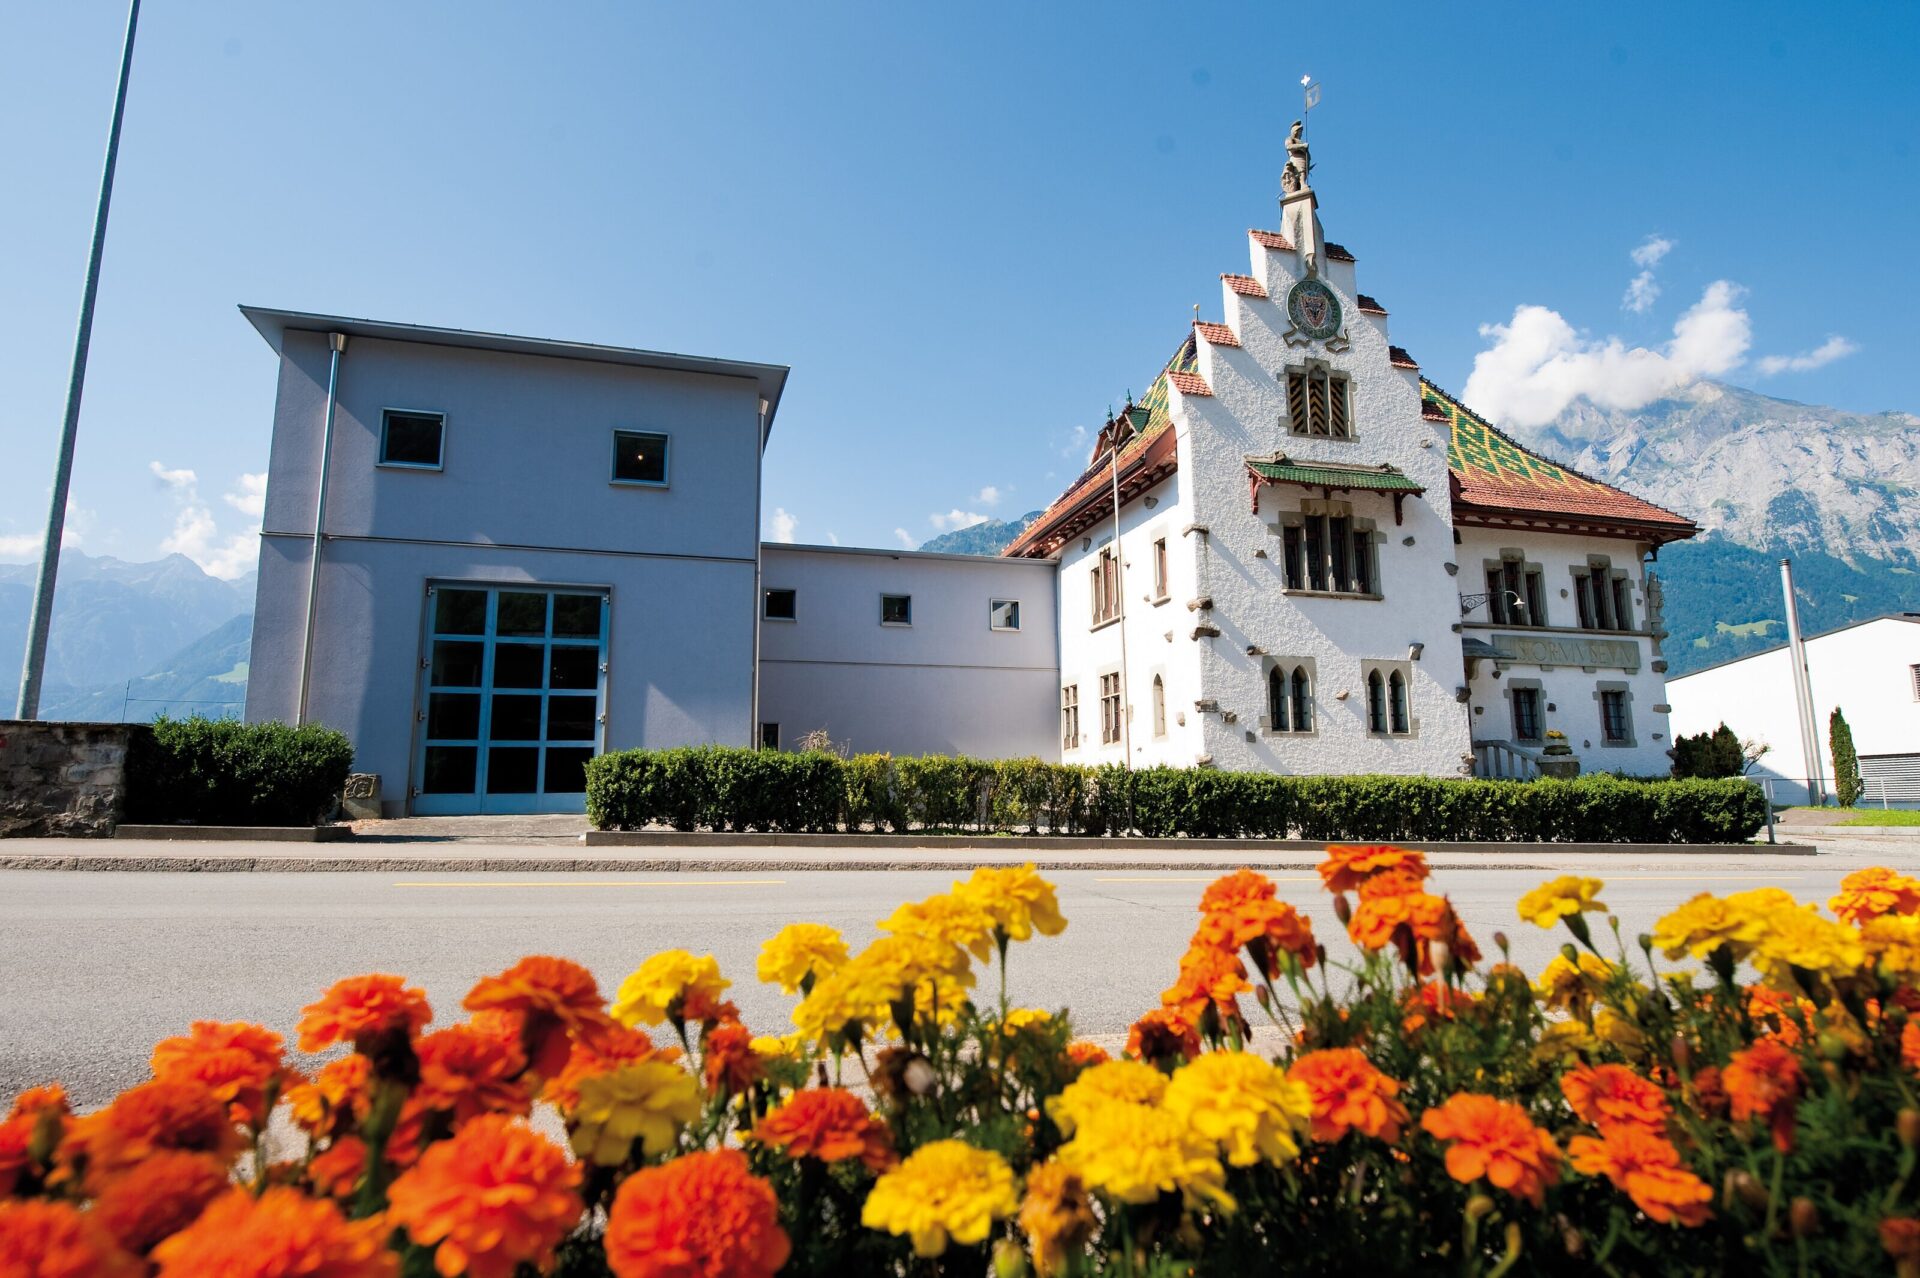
(63, 778)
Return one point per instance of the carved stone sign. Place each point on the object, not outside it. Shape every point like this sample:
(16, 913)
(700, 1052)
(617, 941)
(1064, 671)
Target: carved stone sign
(1568, 650)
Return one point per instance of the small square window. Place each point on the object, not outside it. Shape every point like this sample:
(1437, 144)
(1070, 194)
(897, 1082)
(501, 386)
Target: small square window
(639, 457)
(780, 605)
(1004, 614)
(896, 610)
(769, 736)
(411, 439)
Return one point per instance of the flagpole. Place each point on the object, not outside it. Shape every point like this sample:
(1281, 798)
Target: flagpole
(34, 667)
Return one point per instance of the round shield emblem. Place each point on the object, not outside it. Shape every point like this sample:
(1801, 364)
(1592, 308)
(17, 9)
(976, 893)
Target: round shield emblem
(1313, 308)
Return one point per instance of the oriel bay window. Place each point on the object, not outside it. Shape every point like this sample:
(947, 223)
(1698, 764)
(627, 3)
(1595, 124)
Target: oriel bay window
(1329, 552)
(1319, 402)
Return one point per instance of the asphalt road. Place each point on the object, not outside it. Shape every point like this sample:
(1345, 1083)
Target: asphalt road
(95, 967)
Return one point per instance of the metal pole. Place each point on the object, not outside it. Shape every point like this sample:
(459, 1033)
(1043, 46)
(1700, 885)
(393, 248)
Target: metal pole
(338, 341)
(1803, 692)
(759, 581)
(34, 666)
(1120, 590)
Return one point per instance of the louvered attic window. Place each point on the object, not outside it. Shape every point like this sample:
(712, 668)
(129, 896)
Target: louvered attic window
(1319, 402)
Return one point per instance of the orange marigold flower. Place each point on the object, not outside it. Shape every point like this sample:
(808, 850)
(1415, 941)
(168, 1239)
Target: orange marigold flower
(1900, 1237)
(146, 1119)
(1208, 974)
(1348, 866)
(362, 1008)
(1082, 1053)
(1162, 1034)
(280, 1234)
(38, 1100)
(1647, 1168)
(557, 1002)
(1242, 887)
(466, 1072)
(727, 1059)
(1265, 927)
(335, 1171)
(1349, 1094)
(1709, 1092)
(830, 1124)
(1764, 1081)
(1910, 1045)
(602, 1054)
(1776, 1012)
(237, 1061)
(337, 1098)
(1057, 1217)
(159, 1197)
(1613, 1095)
(702, 1215)
(1872, 892)
(1435, 1001)
(494, 1196)
(42, 1238)
(1495, 1139)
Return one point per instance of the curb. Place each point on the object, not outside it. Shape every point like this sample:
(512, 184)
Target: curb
(1072, 843)
(237, 833)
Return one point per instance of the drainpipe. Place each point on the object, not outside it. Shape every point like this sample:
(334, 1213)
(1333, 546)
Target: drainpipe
(759, 591)
(1803, 693)
(338, 341)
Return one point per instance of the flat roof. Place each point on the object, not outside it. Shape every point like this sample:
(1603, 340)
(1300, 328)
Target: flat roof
(884, 553)
(273, 324)
(1911, 618)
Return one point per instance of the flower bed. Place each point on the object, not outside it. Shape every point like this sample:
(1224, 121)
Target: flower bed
(720, 788)
(1637, 1107)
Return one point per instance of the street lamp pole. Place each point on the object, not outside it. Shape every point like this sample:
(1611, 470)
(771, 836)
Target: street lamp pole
(35, 665)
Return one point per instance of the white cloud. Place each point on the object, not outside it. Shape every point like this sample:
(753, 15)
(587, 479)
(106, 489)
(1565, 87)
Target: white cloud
(196, 534)
(956, 519)
(906, 539)
(251, 497)
(73, 532)
(783, 525)
(1076, 443)
(1833, 348)
(1642, 291)
(988, 496)
(1538, 364)
(19, 545)
(1651, 251)
(833, 539)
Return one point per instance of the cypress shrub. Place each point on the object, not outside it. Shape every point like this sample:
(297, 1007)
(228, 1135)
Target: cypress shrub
(224, 772)
(1846, 764)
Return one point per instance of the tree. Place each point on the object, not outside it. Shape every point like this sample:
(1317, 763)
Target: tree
(1719, 753)
(1846, 764)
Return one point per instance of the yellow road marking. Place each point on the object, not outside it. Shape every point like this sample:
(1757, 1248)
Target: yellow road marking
(608, 883)
(1696, 878)
(1610, 878)
(1167, 878)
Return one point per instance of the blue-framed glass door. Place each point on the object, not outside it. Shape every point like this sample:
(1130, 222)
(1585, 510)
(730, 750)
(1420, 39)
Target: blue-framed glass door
(512, 698)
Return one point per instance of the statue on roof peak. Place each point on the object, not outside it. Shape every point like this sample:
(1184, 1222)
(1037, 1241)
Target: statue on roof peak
(1293, 178)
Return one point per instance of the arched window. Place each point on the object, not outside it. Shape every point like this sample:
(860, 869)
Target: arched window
(1277, 699)
(1376, 702)
(1302, 701)
(1397, 702)
(1159, 707)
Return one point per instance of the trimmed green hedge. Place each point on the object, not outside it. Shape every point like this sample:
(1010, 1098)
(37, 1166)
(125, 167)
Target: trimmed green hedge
(718, 788)
(223, 772)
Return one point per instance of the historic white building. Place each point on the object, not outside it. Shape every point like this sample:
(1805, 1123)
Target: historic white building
(1323, 563)
(487, 558)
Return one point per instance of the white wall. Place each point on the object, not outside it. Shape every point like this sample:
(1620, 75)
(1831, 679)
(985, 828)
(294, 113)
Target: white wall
(1864, 670)
(947, 684)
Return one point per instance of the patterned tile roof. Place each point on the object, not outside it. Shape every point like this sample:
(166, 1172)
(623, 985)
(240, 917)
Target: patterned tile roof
(1218, 334)
(1398, 357)
(1281, 470)
(1496, 480)
(1245, 285)
(1370, 306)
(1189, 383)
(1272, 240)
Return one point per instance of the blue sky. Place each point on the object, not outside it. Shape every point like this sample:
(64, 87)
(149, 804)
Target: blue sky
(968, 228)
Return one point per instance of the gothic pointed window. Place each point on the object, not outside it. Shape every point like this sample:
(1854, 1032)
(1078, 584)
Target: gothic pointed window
(1277, 699)
(1397, 717)
(1376, 702)
(1159, 707)
(1302, 701)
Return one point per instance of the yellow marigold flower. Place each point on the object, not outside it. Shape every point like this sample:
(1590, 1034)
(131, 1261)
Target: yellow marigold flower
(648, 1101)
(851, 996)
(949, 917)
(1019, 1018)
(660, 985)
(1893, 942)
(1135, 1153)
(1763, 902)
(1056, 1216)
(906, 959)
(783, 1047)
(1561, 898)
(1704, 924)
(1124, 1081)
(1565, 1043)
(798, 951)
(947, 1190)
(1244, 1104)
(1800, 938)
(1020, 901)
(1623, 1034)
(1571, 987)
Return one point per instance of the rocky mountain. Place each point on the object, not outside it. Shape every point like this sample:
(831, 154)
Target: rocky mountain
(208, 677)
(988, 538)
(112, 620)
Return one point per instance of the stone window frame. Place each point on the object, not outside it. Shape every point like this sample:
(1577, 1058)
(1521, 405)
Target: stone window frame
(1162, 569)
(1511, 686)
(1386, 670)
(1528, 569)
(1308, 368)
(1103, 589)
(1160, 717)
(1582, 574)
(1119, 737)
(1625, 689)
(1287, 666)
(1069, 717)
(1331, 508)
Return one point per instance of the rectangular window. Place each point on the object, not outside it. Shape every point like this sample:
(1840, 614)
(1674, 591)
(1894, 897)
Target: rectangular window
(1316, 552)
(1319, 402)
(1109, 708)
(1583, 600)
(896, 610)
(1106, 587)
(411, 439)
(1160, 568)
(1363, 563)
(1536, 599)
(1070, 717)
(1340, 544)
(1526, 714)
(1602, 598)
(1328, 554)
(780, 605)
(1915, 672)
(1291, 552)
(1613, 716)
(769, 736)
(639, 457)
(1622, 604)
(1003, 614)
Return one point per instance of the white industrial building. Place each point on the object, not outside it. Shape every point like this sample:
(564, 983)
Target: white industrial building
(487, 558)
(1869, 671)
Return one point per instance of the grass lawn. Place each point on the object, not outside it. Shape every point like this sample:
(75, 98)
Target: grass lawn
(1890, 816)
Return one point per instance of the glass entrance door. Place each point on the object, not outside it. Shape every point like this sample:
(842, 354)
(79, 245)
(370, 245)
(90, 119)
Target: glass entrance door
(513, 698)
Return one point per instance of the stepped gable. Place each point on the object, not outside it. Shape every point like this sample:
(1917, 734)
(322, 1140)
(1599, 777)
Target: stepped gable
(1498, 483)
(1147, 456)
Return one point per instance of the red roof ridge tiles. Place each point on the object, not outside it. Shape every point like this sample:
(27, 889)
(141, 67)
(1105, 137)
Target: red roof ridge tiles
(1271, 239)
(1398, 357)
(1338, 252)
(1245, 285)
(1369, 306)
(1189, 383)
(1218, 334)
